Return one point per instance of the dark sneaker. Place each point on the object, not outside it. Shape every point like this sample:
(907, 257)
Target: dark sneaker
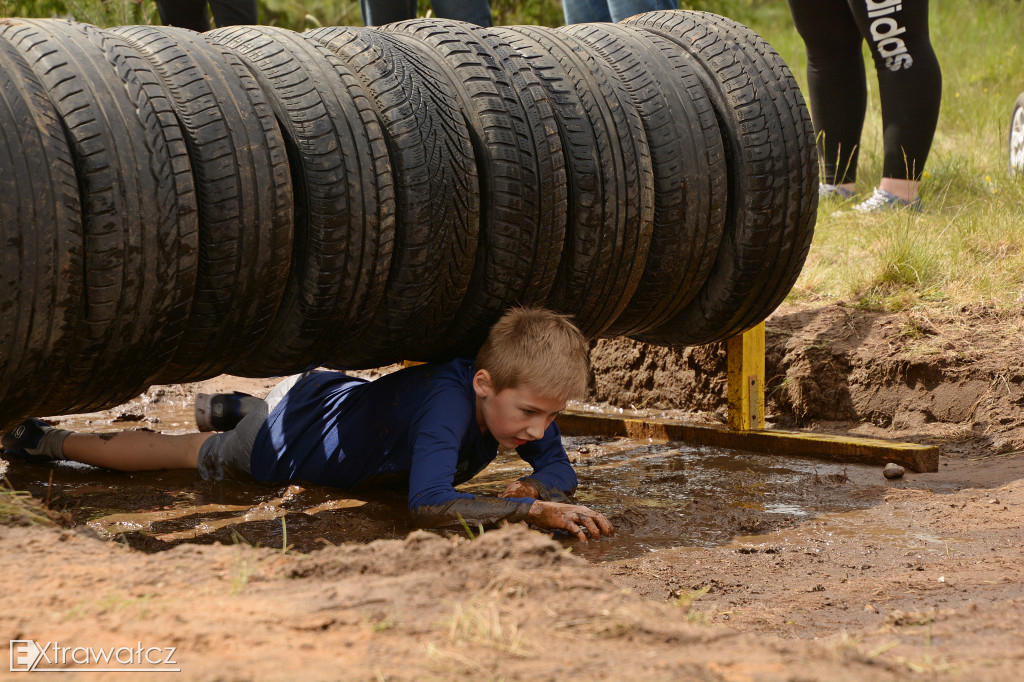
(35, 438)
(223, 411)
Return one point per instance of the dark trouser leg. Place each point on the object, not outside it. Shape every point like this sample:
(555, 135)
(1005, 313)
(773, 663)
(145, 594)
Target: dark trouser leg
(623, 9)
(184, 13)
(380, 12)
(836, 84)
(474, 11)
(909, 80)
(234, 12)
(585, 11)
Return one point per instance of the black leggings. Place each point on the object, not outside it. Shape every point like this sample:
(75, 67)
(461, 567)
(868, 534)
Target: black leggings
(192, 13)
(909, 81)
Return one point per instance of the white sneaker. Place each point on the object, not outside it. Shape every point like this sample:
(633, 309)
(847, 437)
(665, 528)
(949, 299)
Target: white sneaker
(887, 201)
(827, 191)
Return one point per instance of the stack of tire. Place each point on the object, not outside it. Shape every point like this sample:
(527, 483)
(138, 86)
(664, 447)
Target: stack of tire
(255, 201)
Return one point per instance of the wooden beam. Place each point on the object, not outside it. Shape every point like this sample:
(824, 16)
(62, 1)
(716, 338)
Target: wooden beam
(745, 431)
(875, 451)
(744, 355)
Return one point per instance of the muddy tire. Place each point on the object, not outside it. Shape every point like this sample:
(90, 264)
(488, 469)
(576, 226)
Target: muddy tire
(138, 209)
(244, 195)
(344, 198)
(772, 165)
(41, 233)
(690, 181)
(609, 172)
(1016, 139)
(522, 182)
(437, 194)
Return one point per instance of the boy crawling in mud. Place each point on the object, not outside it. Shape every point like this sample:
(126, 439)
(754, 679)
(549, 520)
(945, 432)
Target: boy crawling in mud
(437, 425)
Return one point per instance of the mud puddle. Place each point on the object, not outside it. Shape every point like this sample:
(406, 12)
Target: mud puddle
(658, 495)
(662, 495)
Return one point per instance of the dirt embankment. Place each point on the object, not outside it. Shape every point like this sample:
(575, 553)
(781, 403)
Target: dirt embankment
(957, 378)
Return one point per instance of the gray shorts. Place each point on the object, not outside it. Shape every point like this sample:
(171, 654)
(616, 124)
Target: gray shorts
(228, 454)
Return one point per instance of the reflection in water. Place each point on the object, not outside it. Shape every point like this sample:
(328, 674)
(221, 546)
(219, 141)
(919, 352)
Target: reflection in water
(657, 494)
(670, 494)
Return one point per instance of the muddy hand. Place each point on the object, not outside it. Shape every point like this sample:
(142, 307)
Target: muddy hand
(571, 517)
(520, 489)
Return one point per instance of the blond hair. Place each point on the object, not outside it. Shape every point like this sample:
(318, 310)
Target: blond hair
(538, 348)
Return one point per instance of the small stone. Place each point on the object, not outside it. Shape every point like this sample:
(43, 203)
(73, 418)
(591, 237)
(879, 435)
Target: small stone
(892, 470)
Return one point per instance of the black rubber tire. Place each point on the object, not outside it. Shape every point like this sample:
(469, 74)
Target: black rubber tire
(1015, 141)
(438, 196)
(522, 182)
(773, 181)
(41, 233)
(690, 177)
(610, 176)
(138, 209)
(344, 198)
(244, 195)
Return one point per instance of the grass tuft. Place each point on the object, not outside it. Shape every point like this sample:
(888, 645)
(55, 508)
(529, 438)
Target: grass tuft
(19, 508)
(243, 568)
(475, 624)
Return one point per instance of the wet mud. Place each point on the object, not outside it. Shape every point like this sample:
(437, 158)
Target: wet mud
(658, 495)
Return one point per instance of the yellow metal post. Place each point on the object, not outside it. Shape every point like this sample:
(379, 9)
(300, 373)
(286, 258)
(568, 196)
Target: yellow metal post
(745, 430)
(745, 359)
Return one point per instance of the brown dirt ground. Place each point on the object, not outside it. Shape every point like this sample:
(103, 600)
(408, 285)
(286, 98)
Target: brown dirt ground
(922, 580)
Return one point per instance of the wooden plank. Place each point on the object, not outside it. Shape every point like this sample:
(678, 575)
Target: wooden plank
(876, 451)
(745, 379)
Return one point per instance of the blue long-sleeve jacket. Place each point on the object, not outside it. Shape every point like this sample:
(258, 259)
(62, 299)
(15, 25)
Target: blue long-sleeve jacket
(332, 429)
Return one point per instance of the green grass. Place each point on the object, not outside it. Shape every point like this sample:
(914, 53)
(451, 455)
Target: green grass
(965, 249)
(19, 508)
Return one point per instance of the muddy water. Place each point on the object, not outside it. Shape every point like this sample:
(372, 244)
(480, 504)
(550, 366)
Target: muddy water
(671, 494)
(658, 495)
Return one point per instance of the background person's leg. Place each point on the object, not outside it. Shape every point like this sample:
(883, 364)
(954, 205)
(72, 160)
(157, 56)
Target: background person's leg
(623, 9)
(836, 83)
(585, 11)
(909, 84)
(473, 11)
(234, 12)
(184, 14)
(380, 12)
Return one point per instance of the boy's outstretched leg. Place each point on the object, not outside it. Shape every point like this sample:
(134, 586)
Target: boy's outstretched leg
(124, 451)
(135, 450)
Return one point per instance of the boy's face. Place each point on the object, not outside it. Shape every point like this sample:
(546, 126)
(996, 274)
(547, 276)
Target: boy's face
(514, 416)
